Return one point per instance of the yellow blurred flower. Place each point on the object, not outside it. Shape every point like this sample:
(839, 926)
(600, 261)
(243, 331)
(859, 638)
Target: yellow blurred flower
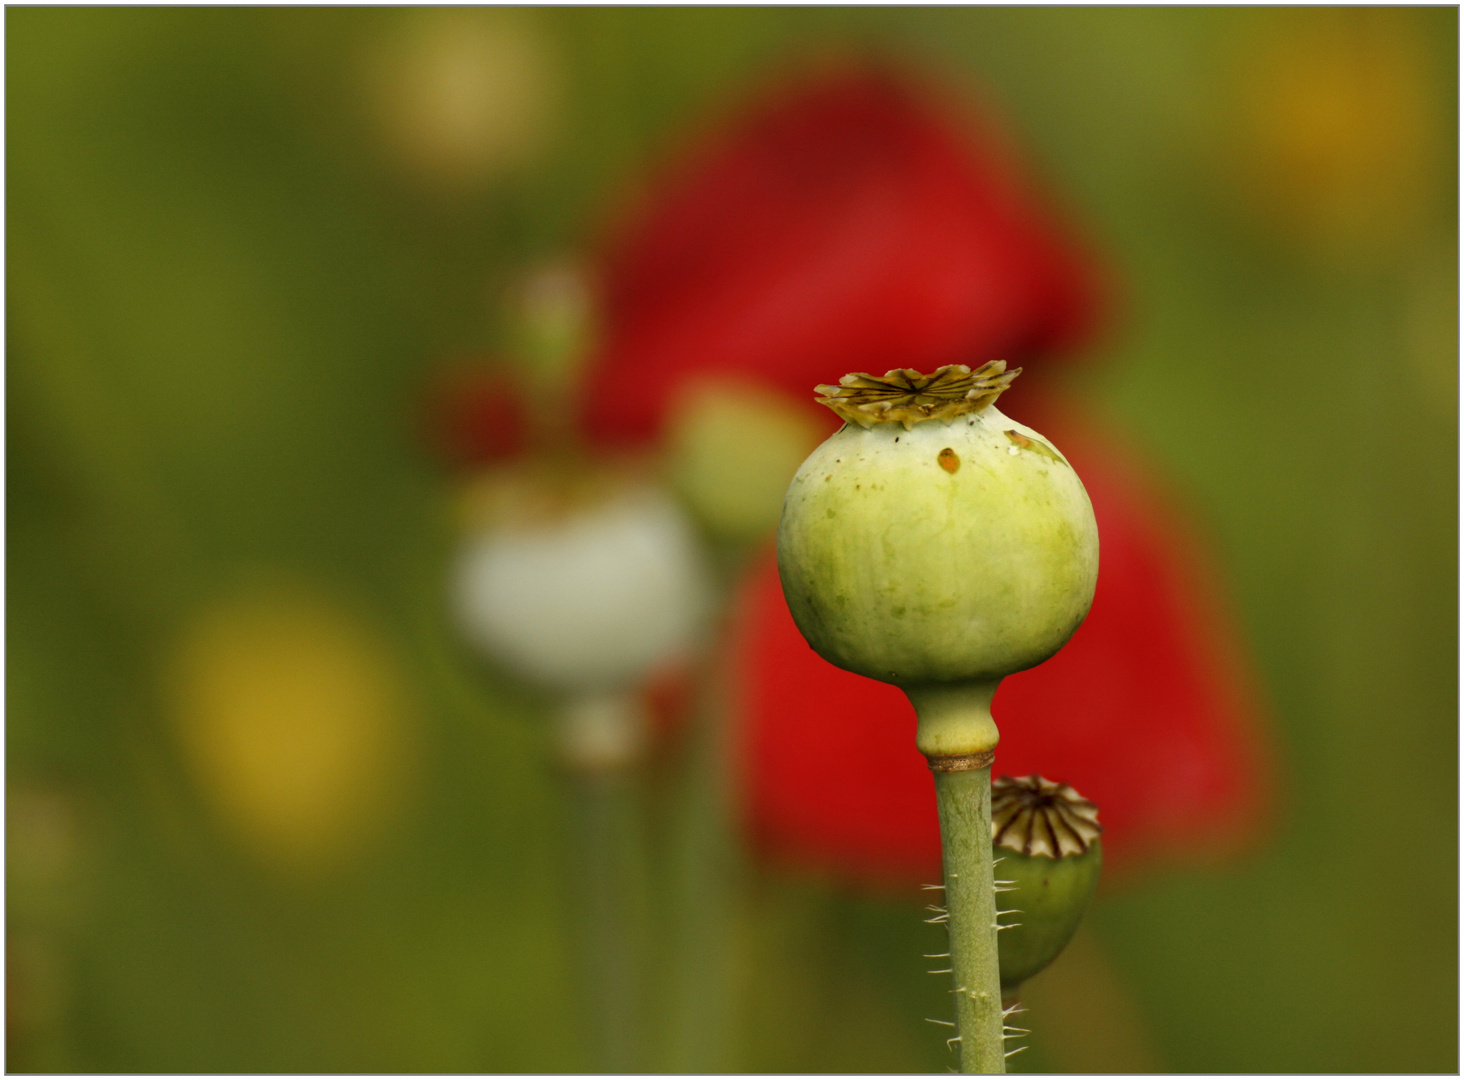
(291, 716)
(1333, 131)
(462, 94)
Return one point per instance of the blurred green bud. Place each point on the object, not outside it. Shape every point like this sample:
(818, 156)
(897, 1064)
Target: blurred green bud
(549, 325)
(732, 449)
(551, 320)
(1048, 860)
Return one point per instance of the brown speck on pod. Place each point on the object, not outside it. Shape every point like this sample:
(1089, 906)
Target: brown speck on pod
(948, 460)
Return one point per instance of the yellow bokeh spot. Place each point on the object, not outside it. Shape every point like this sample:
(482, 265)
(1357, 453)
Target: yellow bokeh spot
(462, 94)
(291, 717)
(1334, 126)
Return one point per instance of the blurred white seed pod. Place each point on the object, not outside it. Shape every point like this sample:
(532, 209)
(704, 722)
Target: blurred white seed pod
(589, 599)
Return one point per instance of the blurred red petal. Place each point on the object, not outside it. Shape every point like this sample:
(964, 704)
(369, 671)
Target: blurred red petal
(1151, 710)
(845, 224)
(1148, 711)
(474, 415)
(833, 779)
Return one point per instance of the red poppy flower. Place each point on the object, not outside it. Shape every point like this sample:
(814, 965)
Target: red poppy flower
(1147, 711)
(845, 225)
(850, 224)
(472, 414)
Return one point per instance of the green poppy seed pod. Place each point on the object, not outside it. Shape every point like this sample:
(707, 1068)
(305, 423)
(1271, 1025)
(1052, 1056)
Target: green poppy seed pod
(936, 544)
(1049, 856)
(732, 447)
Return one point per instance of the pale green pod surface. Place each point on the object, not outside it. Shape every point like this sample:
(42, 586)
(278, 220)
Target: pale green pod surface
(953, 550)
(1048, 859)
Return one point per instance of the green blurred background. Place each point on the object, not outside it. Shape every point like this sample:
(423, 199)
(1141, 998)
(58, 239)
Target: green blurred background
(235, 260)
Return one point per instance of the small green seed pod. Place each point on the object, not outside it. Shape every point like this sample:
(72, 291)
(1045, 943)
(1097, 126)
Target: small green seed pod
(1048, 860)
(731, 450)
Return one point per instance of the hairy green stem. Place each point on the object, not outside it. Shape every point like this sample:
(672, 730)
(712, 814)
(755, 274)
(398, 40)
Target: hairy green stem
(609, 896)
(964, 800)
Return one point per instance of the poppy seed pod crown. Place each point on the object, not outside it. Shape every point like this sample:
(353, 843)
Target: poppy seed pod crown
(1049, 854)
